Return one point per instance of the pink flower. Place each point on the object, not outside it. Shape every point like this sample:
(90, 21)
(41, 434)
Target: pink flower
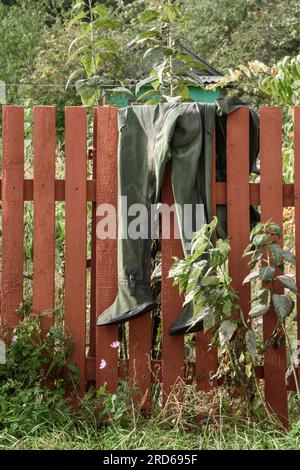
(115, 344)
(14, 339)
(102, 364)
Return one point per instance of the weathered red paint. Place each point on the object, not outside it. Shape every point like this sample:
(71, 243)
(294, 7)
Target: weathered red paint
(12, 214)
(44, 214)
(271, 208)
(76, 234)
(106, 250)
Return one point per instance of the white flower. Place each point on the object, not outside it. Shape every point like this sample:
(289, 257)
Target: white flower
(102, 364)
(14, 339)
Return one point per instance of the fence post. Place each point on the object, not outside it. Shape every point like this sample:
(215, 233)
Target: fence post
(297, 215)
(76, 234)
(171, 303)
(12, 214)
(44, 213)
(271, 208)
(106, 250)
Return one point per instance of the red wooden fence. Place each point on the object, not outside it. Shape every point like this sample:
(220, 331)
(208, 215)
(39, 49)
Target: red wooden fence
(76, 190)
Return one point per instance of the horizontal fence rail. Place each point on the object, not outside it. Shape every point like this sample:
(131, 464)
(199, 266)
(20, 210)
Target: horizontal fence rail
(43, 191)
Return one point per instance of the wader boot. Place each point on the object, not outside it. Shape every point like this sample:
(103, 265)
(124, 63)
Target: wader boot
(149, 137)
(185, 322)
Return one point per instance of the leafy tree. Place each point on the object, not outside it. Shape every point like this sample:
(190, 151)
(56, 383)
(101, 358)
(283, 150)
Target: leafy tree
(93, 51)
(21, 30)
(228, 33)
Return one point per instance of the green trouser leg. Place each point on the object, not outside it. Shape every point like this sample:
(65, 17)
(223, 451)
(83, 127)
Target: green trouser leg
(202, 194)
(149, 137)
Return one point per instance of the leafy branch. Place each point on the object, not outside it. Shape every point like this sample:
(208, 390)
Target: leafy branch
(173, 69)
(93, 50)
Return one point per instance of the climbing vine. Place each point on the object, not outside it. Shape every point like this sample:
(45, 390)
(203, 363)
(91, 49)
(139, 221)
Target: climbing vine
(203, 278)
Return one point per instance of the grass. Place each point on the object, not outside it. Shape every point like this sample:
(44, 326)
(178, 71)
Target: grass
(150, 436)
(122, 427)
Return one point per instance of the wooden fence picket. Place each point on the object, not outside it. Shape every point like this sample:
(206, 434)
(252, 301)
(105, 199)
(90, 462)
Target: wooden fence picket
(171, 302)
(238, 202)
(297, 212)
(76, 234)
(206, 354)
(44, 213)
(12, 214)
(106, 250)
(272, 208)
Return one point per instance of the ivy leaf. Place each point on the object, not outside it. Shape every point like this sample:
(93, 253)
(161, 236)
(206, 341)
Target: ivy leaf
(259, 310)
(288, 282)
(250, 339)
(226, 331)
(283, 306)
(250, 277)
(267, 273)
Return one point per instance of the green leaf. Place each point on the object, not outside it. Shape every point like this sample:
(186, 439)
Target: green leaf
(262, 295)
(267, 273)
(121, 90)
(226, 331)
(209, 281)
(259, 310)
(170, 13)
(73, 75)
(288, 282)
(145, 35)
(227, 307)
(88, 63)
(261, 240)
(274, 229)
(85, 89)
(142, 83)
(251, 276)
(209, 321)
(250, 339)
(77, 19)
(148, 15)
(289, 257)
(276, 253)
(148, 94)
(256, 257)
(283, 306)
(100, 10)
(201, 312)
